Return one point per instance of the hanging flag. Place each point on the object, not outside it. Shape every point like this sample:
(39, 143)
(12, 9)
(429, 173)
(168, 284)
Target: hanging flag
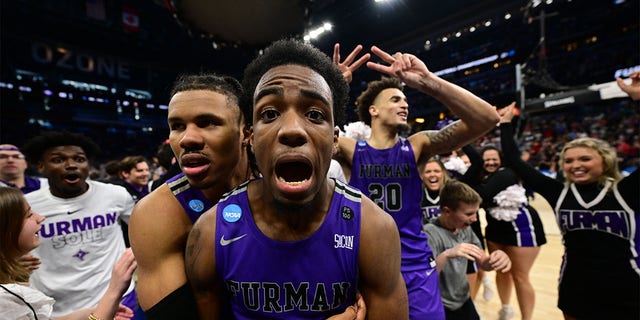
(130, 19)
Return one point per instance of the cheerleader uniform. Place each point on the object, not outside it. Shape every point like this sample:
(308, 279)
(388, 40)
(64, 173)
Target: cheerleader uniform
(599, 276)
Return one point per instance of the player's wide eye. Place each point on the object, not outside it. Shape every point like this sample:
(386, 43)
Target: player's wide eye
(269, 115)
(316, 115)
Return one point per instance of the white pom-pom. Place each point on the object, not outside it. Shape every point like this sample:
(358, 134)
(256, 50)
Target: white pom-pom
(509, 202)
(456, 164)
(357, 131)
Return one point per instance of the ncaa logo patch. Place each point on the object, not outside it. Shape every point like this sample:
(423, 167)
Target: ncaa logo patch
(347, 213)
(232, 213)
(196, 205)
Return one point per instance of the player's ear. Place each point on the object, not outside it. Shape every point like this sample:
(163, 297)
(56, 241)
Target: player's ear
(249, 131)
(373, 111)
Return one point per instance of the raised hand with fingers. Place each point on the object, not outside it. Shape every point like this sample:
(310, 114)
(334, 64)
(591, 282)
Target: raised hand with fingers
(406, 67)
(506, 114)
(348, 66)
(633, 89)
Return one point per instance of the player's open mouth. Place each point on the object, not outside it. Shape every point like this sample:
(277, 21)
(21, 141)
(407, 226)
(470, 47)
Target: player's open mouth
(71, 178)
(293, 173)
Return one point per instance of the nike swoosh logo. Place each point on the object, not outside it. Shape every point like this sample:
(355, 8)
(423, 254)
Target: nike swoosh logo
(429, 272)
(74, 211)
(225, 242)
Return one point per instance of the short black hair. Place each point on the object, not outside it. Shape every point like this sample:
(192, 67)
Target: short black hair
(366, 98)
(291, 51)
(112, 167)
(165, 155)
(35, 148)
(228, 86)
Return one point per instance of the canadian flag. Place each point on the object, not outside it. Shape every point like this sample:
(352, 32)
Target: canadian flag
(130, 19)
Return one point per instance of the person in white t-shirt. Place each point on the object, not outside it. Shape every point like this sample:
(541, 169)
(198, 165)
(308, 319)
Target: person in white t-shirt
(81, 236)
(19, 227)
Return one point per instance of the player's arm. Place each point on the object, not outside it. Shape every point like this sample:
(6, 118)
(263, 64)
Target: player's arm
(383, 287)
(476, 115)
(157, 230)
(201, 266)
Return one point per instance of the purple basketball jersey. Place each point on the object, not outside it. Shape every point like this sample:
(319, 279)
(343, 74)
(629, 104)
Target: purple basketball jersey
(312, 278)
(191, 199)
(391, 179)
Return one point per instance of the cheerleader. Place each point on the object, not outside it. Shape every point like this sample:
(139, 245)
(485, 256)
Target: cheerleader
(598, 213)
(513, 226)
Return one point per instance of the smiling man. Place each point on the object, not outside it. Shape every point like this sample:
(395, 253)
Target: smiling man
(294, 244)
(81, 237)
(384, 166)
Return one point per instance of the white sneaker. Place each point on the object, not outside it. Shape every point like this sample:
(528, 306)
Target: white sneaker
(506, 312)
(487, 292)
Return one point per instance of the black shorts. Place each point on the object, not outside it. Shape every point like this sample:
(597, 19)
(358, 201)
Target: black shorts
(525, 231)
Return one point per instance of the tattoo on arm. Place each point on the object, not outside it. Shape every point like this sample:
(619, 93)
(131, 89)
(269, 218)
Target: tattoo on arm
(446, 139)
(193, 250)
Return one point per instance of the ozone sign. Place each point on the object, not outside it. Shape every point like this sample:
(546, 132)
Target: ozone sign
(68, 59)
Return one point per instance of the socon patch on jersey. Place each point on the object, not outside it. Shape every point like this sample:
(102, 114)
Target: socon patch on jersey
(232, 213)
(347, 213)
(196, 205)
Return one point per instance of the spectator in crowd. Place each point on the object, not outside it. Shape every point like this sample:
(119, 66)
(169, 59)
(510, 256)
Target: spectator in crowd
(294, 94)
(134, 171)
(513, 226)
(434, 176)
(13, 167)
(384, 107)
(597, 212)
(167, 163)
(134, 176)
(112, 169)
(82, 232)
(19, 226)
(454, 244)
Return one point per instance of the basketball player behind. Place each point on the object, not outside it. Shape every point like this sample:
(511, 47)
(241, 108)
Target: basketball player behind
(384, 166)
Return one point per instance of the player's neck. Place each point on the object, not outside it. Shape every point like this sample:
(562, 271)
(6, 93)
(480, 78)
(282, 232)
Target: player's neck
(382, 137)
(288, 221)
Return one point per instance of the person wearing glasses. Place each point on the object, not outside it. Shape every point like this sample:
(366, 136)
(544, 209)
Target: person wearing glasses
(12, 171)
